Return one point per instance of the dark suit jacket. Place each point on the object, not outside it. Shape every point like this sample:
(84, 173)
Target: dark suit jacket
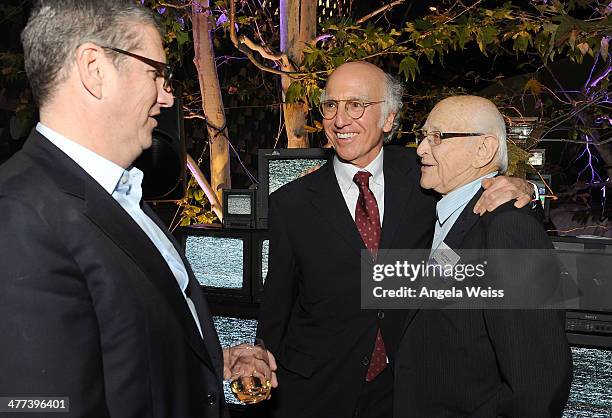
(486, 363)
(89, 308)
(310, 316)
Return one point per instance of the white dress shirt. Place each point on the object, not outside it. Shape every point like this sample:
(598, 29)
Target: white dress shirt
(125, 186)
(345, 173)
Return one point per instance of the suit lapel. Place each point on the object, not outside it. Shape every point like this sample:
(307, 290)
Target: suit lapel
(398, 189)
(464, 223)
(113, 221)
(194, 290)
(329, 202)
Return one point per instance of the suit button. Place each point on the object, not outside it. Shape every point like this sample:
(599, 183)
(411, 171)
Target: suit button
(381, 315)
(365, 361)
(211, 399)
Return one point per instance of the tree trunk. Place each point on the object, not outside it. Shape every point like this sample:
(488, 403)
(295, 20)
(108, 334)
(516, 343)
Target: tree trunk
(298, 27)
(212, 102)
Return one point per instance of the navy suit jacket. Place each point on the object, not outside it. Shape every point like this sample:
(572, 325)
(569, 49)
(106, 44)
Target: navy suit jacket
(487, 363)
(89, 308)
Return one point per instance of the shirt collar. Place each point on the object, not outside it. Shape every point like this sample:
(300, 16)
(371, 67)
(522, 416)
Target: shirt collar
(129, 186)
(103, 171)
(346, 171)
(458, 198)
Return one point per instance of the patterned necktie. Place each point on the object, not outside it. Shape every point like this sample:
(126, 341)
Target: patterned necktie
(367, 219)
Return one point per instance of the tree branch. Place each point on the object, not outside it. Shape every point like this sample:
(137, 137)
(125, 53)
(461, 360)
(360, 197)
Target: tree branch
(215, 205)
(247, 46)
(379, 11)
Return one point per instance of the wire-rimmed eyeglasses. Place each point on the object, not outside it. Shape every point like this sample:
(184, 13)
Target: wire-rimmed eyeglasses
(354, 108)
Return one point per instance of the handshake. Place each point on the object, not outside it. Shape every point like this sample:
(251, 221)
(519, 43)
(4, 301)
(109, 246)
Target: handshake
(251, 369)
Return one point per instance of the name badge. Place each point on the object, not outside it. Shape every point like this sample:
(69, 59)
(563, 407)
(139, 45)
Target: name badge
(444, 255)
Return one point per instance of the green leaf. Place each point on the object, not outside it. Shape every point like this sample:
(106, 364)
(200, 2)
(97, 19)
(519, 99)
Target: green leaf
(463, 35)
(295, 92)
(182, 38)
(521, 42)
(409, 67)
(430, 54)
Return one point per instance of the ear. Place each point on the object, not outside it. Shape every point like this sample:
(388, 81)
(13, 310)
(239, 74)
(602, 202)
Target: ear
(388, 125)
(92, 64)
(485, 151)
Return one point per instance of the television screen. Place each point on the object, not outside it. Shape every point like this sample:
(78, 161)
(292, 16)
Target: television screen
(587, 264)
(216, 261)
(282, 166)
(591, 392)
(265, 251)
(239, 204)
(283, 171)
(233, 331)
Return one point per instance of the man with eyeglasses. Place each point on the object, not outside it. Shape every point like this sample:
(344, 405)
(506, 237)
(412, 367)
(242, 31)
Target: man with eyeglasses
(101, 315)
(506, 357)
(333, 356)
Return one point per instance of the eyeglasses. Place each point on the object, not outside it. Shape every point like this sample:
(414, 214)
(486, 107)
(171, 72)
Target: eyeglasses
(435, 137)
(354, 108)
(162, 69)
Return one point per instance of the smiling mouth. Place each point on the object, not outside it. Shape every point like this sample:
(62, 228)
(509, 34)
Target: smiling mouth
(347, 135)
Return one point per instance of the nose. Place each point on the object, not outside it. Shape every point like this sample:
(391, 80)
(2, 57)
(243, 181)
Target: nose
(342, 118)
(423, 148)
(164, 98)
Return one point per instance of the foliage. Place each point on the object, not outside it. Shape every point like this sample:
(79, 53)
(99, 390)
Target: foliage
(453, 48)
(536, 37)
(193, 206)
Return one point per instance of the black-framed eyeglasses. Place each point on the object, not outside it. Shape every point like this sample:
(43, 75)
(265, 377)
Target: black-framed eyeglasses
(435, 137)
(162, 69)
(354, 108)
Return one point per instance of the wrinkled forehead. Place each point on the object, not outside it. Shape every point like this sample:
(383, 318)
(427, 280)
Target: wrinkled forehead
(358, 85)
(454, 117)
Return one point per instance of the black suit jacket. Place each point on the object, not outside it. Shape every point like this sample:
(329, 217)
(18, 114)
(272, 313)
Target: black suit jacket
(486, 363)
(311, 317)
(90, 309)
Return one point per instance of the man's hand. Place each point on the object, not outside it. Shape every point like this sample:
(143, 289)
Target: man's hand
(249, 360)
(502, 189)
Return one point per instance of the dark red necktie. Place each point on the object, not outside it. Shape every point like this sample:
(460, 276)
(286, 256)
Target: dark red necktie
(367, 219)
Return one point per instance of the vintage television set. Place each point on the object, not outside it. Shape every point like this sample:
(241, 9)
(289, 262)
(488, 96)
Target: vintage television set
(221, 261)
(239, 208)
(281, 166)
(587, 262)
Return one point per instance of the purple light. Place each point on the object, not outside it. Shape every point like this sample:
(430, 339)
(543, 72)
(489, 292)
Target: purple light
(222, 19)
(595, 178)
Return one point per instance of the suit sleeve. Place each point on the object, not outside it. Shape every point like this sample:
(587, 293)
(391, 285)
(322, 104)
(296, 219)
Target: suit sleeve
(280, 289)
(530, 345)
(50, 344)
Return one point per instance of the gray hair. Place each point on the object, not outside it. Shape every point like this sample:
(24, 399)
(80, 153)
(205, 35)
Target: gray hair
(56, 28)
(394, 91)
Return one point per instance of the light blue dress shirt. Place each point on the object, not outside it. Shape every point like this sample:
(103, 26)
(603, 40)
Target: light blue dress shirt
(450, 207)
(125, 186)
